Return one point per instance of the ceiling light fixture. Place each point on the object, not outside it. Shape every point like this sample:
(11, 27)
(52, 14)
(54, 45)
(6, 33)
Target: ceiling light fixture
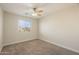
(37, 12)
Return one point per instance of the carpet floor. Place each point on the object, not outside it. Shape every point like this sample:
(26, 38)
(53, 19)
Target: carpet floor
(35, 47)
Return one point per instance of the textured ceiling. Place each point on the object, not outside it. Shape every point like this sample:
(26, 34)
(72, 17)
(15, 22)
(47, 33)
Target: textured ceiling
(23, 8)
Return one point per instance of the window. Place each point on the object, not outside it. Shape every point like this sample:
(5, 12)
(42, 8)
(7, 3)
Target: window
(24, 25)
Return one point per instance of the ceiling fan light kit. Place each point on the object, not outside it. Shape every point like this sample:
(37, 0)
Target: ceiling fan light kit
(35, 12)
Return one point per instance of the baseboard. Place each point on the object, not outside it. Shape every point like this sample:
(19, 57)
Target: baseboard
(46, 41)
(16, 42)
(62, 46)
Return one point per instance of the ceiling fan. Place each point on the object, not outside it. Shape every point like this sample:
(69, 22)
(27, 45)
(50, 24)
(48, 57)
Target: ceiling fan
(36, 12)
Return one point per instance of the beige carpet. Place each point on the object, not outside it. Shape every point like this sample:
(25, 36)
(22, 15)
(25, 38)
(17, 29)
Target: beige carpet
(35, 47)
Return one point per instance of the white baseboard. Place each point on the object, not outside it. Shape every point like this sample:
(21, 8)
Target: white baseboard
(62, 46)
(46, 41)
(15, 42)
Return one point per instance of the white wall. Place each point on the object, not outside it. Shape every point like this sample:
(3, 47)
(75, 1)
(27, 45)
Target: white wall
(1, 28)
(62, 28)
(11, 33)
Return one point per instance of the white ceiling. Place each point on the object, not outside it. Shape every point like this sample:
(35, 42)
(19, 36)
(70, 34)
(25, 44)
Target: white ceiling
(23, 8)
